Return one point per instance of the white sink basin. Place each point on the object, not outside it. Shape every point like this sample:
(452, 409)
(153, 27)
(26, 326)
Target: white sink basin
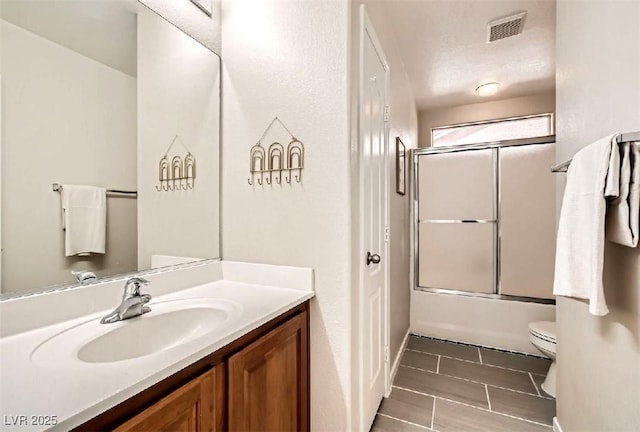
(168, 325)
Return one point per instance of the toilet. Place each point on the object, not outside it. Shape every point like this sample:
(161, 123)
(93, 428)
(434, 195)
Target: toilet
(542, 335)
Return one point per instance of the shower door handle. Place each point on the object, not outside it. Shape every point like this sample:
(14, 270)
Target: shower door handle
(373, 258)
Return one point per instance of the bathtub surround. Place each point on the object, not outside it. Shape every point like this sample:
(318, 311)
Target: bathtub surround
(596, 97)
(488, 322)
(482, 260)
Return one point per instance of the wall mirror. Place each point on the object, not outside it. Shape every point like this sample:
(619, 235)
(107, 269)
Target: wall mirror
(93, 93)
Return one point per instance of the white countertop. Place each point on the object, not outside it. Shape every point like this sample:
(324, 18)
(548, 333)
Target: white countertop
(75, 392)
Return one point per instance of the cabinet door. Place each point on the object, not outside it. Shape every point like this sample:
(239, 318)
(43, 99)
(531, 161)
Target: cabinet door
(268, 381)
(195, 407)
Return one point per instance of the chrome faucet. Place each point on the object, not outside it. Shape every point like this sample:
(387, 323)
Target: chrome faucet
(133, 303)
(84, 277)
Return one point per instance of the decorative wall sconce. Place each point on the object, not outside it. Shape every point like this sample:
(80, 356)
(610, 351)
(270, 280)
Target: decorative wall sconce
(179, 174)
(268, 166)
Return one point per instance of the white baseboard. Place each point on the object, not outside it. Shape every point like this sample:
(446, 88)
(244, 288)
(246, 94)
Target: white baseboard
(396, 362)
(556, 425)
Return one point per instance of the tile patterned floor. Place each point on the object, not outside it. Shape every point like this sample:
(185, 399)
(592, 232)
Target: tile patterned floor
(448, 387)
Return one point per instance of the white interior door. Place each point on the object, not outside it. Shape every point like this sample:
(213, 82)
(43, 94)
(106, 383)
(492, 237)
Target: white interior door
(373, 209)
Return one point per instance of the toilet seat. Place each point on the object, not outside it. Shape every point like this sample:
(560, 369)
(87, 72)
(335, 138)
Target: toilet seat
(545, 330)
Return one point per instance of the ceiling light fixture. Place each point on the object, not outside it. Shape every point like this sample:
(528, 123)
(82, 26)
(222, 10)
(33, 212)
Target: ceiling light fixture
(487, 89)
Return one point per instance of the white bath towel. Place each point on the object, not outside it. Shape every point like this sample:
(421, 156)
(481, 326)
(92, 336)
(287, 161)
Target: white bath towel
(594, 174)
(623, 212)
(85, 219)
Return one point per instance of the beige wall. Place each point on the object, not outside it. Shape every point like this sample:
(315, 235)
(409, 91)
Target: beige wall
(403, 124)
(520, 106)
(289, 59)
(173, 99)
(54, 131)
(598, 92)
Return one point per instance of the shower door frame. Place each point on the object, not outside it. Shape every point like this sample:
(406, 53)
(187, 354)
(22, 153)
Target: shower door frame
(415, 154)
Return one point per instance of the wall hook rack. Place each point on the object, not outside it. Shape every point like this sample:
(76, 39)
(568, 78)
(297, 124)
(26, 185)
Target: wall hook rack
(268, 166)
(179, 173)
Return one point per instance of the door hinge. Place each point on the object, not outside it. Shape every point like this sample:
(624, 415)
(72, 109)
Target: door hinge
(386, 354)
(387, 113)
(387, 233)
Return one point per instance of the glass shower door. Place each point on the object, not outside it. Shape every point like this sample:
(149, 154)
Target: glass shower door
(457, 232)
(527, 221)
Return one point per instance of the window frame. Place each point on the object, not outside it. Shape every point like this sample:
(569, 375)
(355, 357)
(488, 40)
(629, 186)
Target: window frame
(551, 131)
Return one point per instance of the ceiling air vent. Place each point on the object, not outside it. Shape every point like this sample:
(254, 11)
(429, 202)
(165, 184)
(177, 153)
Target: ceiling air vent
(505, 27)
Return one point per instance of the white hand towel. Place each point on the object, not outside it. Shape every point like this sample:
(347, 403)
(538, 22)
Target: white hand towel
(623, 212)
(85, 219)
(593, 174)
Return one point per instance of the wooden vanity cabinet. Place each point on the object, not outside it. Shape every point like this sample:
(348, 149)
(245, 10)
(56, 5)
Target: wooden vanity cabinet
(259, 382)
(268, 381)
(193, 407)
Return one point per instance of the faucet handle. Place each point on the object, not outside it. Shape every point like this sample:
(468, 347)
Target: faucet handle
(132, 286)
(84, 277)
(139, 280)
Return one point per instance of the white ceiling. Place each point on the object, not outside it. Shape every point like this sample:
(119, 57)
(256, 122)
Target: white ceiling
(104, 30)
(443, 46)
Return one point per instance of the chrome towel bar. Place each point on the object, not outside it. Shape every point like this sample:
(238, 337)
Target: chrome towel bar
(56, 187)
(625, 137)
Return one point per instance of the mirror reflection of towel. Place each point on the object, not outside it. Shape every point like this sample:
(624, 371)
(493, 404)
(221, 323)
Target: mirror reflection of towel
(623, 211)
(85, 219)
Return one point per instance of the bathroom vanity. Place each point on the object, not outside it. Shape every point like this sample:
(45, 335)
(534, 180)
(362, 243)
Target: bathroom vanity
(225, 347)
(227, 389)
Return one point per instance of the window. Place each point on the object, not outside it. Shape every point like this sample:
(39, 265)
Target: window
(493, 130)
